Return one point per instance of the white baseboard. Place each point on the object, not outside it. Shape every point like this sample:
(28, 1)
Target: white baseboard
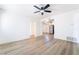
(5, 40)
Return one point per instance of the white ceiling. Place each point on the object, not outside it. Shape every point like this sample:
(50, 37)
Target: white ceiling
(60, 8)
(28, 9)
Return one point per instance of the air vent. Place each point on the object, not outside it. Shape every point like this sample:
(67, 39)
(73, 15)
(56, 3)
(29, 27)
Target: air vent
(73, 39)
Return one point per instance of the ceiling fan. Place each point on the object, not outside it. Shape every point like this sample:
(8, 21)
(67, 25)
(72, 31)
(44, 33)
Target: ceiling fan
(43, 9)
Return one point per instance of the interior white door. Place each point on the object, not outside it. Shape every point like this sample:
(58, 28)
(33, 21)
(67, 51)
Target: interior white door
(33, 28)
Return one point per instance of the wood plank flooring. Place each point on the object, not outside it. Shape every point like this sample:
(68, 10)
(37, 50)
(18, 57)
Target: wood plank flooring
(42, 45)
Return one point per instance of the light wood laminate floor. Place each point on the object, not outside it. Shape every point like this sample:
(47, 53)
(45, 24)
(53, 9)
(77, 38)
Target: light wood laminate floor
(42, 45)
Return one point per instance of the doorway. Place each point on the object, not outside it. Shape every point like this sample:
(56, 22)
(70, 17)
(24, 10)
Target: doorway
(48, 27)
(33, 29)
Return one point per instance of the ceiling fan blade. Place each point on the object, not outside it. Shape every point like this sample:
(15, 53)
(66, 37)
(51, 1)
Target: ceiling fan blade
(48, 11)
(36, 11)
(37, 7)
(46, 6)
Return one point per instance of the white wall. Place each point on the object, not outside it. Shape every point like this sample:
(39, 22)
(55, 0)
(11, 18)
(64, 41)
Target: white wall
(66, 25)
(76, 26)
(0, 26)
(63, 25)
(14, 26)
(39, 28)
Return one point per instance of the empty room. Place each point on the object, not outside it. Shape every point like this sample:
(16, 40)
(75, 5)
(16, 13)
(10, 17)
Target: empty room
(39, 29)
